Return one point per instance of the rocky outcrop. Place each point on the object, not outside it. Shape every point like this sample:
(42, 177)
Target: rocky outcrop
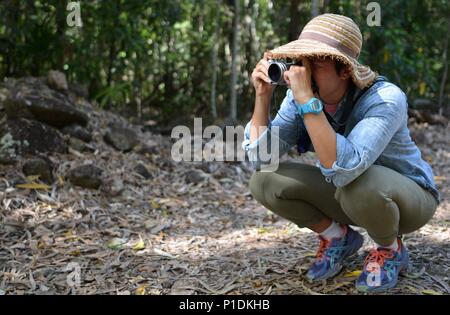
(31, 98)
(22, 137)
(121, 138)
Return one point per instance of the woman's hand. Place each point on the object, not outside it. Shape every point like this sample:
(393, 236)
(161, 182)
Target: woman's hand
(260, 78)
(299, 80)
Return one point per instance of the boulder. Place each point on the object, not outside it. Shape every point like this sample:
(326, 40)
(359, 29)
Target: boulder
(121, 138)
(31, 98)
(57, 80)
(39, 166)
(86, 176)
(195, 176)
(80, 90)
(20, 137)
(78, 132)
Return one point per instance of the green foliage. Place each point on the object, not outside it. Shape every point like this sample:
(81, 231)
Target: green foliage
(159, 52)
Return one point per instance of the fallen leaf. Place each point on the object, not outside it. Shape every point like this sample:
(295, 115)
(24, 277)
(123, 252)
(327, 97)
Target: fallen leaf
(75, 252)
(431, 292)
(33, 186)
(141, 290)
(117, 243)
(155, 204)
(263, 230)
(33, 178)
(140, 245)
(354, 273)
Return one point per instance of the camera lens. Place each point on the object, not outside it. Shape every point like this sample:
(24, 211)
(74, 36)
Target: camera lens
(276, 71)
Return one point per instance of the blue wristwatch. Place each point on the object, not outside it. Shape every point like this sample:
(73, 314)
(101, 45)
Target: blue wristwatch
(314, 106)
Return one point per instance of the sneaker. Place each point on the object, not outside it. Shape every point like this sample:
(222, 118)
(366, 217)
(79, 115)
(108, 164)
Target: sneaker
(331, 254)
(381, 269)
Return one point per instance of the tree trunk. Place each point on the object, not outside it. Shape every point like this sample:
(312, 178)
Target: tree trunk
(234, 62)
(444, 75)
(60, 33)
(294, 25)
(314, 8)
(214, 61)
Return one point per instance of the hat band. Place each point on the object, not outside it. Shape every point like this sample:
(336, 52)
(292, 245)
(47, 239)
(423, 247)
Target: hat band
(329, 41)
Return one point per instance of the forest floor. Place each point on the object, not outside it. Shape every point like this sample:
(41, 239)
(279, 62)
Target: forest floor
(193, 228)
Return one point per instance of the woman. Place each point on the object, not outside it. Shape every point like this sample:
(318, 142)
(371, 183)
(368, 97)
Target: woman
(369, 174)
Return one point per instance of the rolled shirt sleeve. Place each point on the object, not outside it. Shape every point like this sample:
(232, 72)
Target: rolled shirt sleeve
(368, 139)
(280, 135)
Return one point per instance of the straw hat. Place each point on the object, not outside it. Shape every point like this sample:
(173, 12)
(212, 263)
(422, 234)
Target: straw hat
(334, 36)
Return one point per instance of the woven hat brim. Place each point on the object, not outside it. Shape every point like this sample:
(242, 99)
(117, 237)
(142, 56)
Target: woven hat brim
(362, 75)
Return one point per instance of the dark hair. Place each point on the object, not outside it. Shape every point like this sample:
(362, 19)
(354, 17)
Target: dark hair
(339, 66)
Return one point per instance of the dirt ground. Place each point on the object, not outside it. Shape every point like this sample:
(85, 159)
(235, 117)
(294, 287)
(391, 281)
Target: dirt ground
(193, 228)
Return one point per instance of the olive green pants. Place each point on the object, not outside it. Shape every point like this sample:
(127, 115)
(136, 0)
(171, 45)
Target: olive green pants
(381, 200)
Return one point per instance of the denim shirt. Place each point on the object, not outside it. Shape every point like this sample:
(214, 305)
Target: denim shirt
(376, 133)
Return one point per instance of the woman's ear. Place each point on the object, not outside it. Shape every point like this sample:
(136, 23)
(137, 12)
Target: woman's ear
(345, 73)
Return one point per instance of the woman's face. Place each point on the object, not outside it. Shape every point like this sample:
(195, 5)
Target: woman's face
(326, 77)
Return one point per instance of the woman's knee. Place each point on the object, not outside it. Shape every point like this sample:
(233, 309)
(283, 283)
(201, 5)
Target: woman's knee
(365, 192)
(256, 185)
(268, 188)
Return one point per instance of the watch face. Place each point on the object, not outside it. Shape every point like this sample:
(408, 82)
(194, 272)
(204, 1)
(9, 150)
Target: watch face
(316, 105)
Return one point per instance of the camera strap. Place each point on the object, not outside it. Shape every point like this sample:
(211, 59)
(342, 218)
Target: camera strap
(339, 126)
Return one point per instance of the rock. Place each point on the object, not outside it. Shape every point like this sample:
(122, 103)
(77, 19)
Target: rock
(57, 80)
(142, 170)
(422, 116)
(86, 176)
(4, 95)
(210, 167)
(121, 138)
(31, 98)
(39, 166)
(113, 187)
(149, 147)
(195, 176)
(17, 180)
(80, 90)
(78, 131)
(80, 146)
(77, 144)
(20, 137)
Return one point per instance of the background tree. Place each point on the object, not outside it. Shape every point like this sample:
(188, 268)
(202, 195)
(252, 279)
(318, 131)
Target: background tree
(169, 60)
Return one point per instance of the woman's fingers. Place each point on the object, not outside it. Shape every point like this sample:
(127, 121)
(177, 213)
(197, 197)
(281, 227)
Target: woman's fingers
(286, 77)
(262, 69)
(264, 64)
(261, 76)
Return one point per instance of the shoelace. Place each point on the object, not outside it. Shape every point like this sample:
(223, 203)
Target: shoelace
(324, 244)
(378, 256)
(382, 258)
(334, 252)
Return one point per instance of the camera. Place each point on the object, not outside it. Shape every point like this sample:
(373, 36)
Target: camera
(278, 67)
(276, 70)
